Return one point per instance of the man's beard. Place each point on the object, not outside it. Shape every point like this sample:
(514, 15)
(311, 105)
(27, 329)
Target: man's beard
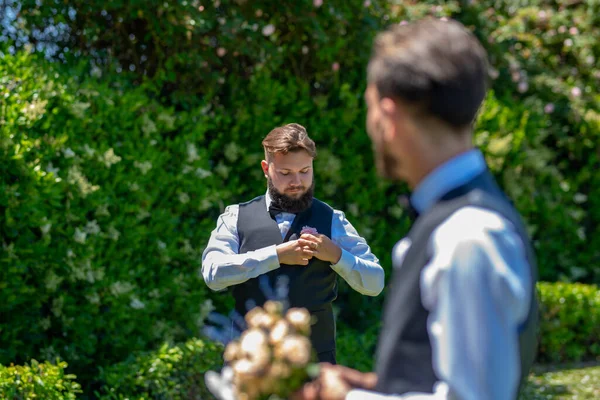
(387, 165)
(289, 204)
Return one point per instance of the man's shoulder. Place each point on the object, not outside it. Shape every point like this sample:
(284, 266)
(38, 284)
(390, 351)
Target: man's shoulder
(478, 228)
(253, 201)
(321, 204)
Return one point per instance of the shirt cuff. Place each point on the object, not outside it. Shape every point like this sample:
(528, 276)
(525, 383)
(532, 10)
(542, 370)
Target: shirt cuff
(271, 261)
(359, 394)
(345, 264)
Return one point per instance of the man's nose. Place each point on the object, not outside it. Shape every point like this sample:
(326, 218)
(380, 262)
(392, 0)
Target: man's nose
(296, 180)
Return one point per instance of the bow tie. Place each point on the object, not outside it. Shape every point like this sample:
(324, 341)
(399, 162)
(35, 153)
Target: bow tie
(275, 210)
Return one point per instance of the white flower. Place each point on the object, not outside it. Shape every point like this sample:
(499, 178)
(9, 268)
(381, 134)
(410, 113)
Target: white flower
(88, 150)
(68, 153)
(46, 228)
(102, 211)
(79, 236)
(192, 152)
(222, 170)
(51, 170)
(142, 214)
(136, 304)
(144, 167)
(110, 158)
(113, 233)
(268, 30)
(92, 228)
(134, 187)
(202, 173)
(93, 298)
(76, 177)
(161, 245)
(232, 151)
(119, 288)
(148, 126)
(52, 281)
(184, 197)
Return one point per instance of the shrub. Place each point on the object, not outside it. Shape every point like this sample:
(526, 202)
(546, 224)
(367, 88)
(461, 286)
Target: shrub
(105, 214)
(569, 328)
(37, 381)
(570, 322)
(112, 181)
(172, 372)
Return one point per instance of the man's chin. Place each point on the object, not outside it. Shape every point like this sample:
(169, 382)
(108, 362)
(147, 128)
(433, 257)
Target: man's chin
(294, 195)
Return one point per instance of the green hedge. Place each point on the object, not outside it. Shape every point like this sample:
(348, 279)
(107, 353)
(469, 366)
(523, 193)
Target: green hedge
(34, 381)
(570, 322)
(112, 181)
(172, 372)
(569, 328)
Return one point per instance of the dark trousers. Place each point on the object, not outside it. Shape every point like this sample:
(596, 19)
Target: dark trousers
(327, 356)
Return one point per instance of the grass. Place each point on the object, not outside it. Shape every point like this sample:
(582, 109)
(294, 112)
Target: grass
(570, 381)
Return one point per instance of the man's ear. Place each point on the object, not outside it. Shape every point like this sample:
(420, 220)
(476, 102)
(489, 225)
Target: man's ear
(391, 113)
(265, 167)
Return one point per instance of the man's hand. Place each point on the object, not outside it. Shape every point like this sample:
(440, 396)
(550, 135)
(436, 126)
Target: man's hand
(334, 383)
(295, 252)
(323, 248)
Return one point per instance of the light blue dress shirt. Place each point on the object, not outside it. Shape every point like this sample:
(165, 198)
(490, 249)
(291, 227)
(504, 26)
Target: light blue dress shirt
(222, 266)
(477, 290)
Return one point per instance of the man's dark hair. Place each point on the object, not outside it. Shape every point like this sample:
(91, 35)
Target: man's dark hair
(437, 67)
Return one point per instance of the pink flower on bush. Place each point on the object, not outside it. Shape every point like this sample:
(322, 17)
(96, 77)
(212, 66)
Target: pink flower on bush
(367, 3)
(221, 51)
(268, 30)
(309, 229)
(335, 66)
(576, 92)
(573, 31)
(317, 3)
(549, 108)
(523, 86)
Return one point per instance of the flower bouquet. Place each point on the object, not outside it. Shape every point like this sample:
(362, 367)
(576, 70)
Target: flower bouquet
(272, 358)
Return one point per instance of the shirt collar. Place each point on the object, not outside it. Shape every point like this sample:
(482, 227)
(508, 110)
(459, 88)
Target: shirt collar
(268, 199)
(453, 173)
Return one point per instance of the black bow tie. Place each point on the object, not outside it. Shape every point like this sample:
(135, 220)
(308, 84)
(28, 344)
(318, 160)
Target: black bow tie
(275, 210)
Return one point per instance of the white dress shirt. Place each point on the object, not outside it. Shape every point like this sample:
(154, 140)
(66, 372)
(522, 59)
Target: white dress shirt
(222, 266)
(477, 289)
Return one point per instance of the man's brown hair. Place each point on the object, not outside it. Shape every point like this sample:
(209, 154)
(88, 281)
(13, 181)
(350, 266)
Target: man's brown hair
(436, 66)
(288, 138)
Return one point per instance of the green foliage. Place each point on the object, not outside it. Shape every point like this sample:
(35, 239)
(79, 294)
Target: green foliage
(105, 213)
(569, 328)
(37, 381)
(172, 372)
(112, 181)
(570, 322)
(192, 47)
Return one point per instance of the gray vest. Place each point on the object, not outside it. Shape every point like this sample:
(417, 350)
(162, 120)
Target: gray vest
(313, 286)
(404, 355)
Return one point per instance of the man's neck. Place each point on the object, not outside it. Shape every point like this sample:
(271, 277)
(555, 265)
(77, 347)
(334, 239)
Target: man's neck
(427, 161)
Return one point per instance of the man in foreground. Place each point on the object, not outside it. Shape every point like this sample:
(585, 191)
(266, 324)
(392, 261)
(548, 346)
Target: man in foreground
(461, 314)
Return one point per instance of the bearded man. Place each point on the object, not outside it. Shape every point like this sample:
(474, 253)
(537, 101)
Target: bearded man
(288, 233)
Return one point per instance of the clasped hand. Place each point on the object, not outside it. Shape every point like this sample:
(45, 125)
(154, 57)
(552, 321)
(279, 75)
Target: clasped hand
(302, 250)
